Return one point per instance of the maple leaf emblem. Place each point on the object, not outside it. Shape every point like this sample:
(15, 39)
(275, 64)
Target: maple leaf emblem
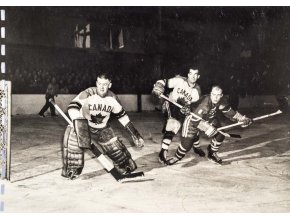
(98, 118)
(181, 101)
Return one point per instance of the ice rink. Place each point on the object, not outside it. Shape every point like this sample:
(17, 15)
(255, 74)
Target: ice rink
(255, 177)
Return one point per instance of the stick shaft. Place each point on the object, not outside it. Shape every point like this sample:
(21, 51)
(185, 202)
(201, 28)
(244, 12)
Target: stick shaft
(178, 105)
(193, 114)
(254, 119)
(61, 112)
(267, 115)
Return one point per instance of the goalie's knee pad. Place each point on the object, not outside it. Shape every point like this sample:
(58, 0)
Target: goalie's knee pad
(120, 156)
(72, 155)
(104, 136)
(172, 125)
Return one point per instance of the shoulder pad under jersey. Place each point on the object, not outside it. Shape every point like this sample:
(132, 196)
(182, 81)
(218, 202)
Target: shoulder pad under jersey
(113, 95)
(182, 77)
(203, 105)
(198, 88)
(86, 93)
(91, 91)
(204, 101)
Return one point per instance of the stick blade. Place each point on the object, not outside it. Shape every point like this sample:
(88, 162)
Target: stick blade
(121, 178)
(134, 177)
(235, 136)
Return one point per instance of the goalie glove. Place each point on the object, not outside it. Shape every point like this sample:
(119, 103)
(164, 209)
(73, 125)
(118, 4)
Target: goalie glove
(208, 129)
(81, 128)
(242, 118)
(137, 138)
(158, 88)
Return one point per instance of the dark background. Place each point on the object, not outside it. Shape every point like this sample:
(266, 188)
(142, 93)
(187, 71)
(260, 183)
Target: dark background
(245, 49)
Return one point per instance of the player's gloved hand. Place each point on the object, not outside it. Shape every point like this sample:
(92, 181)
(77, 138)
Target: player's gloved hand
(246, 121)
(158, 89)
(137, 138)
(242, 118)
(185, 110)
(208, 129)
(139, 142)
(211, 131)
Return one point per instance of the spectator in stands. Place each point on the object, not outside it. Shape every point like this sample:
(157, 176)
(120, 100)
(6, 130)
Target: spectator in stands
(63, 89)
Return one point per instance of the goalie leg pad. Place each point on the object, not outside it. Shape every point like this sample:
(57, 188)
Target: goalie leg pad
(81, 127)
(72, 155)
(115, 150)
(103, 136)
(120, 156)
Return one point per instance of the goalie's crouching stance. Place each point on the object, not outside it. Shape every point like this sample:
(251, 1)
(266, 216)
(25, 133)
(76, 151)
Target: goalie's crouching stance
(90, 112)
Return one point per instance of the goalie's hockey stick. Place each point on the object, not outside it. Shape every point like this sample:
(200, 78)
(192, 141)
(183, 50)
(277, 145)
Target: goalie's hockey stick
(254, 119)
(199, 118)
(101, 158)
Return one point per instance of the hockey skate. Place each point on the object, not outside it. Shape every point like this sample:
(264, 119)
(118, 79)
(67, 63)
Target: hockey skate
(162, 156)
(172, 161)
(212, 156)
(199, 151)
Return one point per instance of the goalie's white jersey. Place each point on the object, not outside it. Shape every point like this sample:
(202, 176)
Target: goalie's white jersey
(96, 109)
(182, 92)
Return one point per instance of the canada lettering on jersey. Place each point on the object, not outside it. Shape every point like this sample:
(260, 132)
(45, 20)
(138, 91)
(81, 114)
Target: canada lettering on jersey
(100, 107)
(96, 109)
(184, 93)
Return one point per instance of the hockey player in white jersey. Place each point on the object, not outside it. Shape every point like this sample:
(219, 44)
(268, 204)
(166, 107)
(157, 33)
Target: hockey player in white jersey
(90, 112)
(186, 92)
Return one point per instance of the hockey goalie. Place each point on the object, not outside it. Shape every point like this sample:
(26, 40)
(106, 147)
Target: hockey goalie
(90, 111)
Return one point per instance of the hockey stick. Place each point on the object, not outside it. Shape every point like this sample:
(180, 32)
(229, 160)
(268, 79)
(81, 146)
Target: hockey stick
(254, 119)
(101, 158)
(199, 118)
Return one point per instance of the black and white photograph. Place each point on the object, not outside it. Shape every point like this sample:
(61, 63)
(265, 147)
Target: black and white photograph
(145, 109)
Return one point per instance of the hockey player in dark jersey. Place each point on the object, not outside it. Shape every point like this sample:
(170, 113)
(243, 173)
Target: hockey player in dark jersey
(208, 108)
(90, 112)
(186, 92)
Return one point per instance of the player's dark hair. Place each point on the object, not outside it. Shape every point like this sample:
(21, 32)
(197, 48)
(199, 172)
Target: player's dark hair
(105, 75)
(216, 86)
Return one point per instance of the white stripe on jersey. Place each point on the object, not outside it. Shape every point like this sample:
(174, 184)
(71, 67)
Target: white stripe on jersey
(185, 126)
